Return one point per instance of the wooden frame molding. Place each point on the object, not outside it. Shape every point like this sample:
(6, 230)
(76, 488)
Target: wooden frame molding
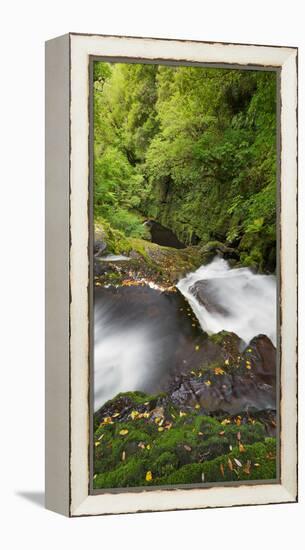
(67, 274)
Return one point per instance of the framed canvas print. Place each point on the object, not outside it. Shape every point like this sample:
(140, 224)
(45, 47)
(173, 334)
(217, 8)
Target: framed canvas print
(171, 274)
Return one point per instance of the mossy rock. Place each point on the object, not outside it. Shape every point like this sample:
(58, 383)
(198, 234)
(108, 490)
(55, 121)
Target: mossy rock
(148, 260)
(192, 445)
(190, 473)
(129, 474)
(228, 341)
(260, 457)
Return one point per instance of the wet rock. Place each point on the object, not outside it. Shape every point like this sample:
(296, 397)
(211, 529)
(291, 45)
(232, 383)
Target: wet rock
(206, 295)
(263, 358)
(242, 382)
(99, 248)
(100, 241)
(122, 405)
(217, 248)
(229, 343)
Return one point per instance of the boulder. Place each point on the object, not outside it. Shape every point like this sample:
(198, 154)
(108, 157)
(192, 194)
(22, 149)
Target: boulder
(217, 248)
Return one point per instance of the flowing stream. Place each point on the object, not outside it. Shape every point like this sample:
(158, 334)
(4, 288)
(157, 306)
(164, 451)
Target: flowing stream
(143, 336)
(235, 300)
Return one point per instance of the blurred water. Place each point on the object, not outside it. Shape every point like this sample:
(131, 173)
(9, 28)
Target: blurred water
(248, 300)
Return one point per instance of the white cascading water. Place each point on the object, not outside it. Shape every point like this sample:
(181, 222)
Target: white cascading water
(117, 358)
(130, 352)
(113, 258)
(249, 300)
(126, 356)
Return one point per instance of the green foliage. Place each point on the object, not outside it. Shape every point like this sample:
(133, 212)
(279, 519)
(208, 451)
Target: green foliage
(193, 147)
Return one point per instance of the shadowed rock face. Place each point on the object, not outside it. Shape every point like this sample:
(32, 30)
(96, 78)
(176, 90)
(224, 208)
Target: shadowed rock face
(245, 382)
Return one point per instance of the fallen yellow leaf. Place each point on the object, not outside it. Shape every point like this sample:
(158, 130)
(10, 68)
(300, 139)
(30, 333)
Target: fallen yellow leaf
(148, 476)
(218, 371)
(123, 432)
(208, 382)
(107, 420)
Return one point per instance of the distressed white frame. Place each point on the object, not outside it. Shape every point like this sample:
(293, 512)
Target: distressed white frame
(81, 47)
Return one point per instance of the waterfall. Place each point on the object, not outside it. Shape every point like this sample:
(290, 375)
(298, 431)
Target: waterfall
(144, 334)
(236, 300)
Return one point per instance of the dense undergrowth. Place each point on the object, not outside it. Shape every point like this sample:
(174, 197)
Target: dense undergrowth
(194, 148)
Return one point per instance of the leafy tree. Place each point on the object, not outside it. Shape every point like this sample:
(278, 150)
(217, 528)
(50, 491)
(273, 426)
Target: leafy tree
(192, 147)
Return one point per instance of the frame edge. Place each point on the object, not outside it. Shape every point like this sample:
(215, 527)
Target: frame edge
(57, 273)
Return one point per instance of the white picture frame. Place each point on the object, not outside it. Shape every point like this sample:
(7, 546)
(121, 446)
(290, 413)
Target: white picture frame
(67, 272)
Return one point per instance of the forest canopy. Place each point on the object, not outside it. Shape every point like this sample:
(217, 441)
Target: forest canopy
(191, 147)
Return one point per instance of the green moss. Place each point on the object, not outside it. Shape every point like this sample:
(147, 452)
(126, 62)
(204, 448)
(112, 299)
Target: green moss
(194, 444)
(117, 242)
(129, 474)
(138, 398)
(189, 473)
(165, 464)
(261, 457)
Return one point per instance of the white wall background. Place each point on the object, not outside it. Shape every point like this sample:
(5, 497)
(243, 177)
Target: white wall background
(25, 25)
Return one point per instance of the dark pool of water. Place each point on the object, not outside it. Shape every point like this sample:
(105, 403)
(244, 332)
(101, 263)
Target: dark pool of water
(163, 235)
